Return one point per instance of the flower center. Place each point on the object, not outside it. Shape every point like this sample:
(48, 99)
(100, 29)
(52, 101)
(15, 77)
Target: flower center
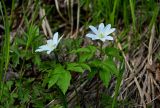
(101, 35)
(52, 46)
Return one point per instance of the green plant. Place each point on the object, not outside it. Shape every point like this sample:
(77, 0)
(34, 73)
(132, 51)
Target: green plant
(59, 74)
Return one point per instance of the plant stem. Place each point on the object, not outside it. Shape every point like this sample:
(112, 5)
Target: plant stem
(6, 47)
(63, 97)
(119, 79)
(98, 87)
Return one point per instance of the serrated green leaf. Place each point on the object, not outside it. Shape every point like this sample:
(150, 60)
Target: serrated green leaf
(54, 75)
(113, 52)
(64, 81)
(85, 53)
(74, 67)
(61, 77)
(85, 66)
(85, 56)
(110, 65)
(96, 63)
(105, 76)
(53, 80)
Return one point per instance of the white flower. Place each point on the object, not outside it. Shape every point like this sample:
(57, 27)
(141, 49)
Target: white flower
(51, 44)
(102, 33)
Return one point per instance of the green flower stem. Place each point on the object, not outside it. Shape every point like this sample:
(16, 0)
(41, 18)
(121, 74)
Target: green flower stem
(63, 96)
(101, 48)
(56, 56)
(119, 79)
(98, 86)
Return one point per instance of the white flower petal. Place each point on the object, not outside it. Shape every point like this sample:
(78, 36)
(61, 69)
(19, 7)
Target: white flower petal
(45, 47)
(50, 42)
(107, 27)
(107, 32)
(93, 29)
(92, 36)
(42, 48)
(108, 38)
(101, 27)
(102, 39)
(55, 38)
(39, 50)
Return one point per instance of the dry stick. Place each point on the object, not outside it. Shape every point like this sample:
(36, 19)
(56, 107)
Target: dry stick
(59, 12)
(145, 85)
(149, 83)
(127, 87)
(45, 25)
(71, 17)
(151, 45)
(150, 60)
(137, 71)
(74, 93)
(153, 91)
(158, 89)
(50, 103)
(78, 15)
(41, 14)
(140, 92)
(135, 79)
(132, 81)
(157, 85)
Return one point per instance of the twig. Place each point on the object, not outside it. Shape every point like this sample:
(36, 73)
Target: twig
(59, 12)
(45, 25)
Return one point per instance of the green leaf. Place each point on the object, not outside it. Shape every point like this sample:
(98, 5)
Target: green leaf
(74, 67)
(85, 66)
(37, 60)
(20, 41)
(64, 81)
(78, 67)
(88, 49)
(80, 50)
(85, 53)
(54, 75)
(61, 77)
(14, 95)
(111, 66)
(105, 76)
(96, 63)
(113, 52)
(92, 73)
(15, 59)
(9, 84)
(85, 56)
(53, 80)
